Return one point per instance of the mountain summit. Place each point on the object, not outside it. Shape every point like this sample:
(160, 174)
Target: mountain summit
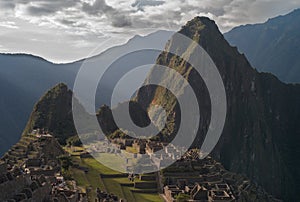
(53, 112)
(261, 133)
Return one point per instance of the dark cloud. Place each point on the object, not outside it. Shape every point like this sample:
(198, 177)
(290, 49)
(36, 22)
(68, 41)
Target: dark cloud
(140, 4)
(46, 7)
(99, 7)
(7, 4)
(38, 11)
(121, 21)
(117, 18)
(67, 22)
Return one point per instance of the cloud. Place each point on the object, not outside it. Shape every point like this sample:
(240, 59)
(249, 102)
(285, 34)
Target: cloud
(8, 24)
(140, 4)
(142, 14)
(99, 7)
(82, 23)
(44, 7)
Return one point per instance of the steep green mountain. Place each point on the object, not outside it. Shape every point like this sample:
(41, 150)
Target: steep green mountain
(53, 112)
(23, 80)
(273, 46)
(261, 137)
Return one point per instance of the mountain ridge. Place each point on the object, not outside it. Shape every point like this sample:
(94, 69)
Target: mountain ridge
(136, 37)
(272, 46)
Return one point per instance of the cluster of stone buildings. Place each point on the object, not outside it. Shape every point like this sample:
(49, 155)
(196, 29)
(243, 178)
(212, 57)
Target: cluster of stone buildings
(30, 171)
(196, 180)
(197, 193)
(205, 180)
(153, 154)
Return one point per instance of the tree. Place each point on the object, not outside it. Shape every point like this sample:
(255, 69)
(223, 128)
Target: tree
(65, 162)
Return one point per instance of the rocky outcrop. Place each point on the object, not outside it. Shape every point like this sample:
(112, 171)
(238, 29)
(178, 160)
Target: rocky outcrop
(261, 135)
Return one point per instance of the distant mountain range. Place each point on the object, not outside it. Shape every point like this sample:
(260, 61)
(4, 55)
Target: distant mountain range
(25, 78)
(273, 46)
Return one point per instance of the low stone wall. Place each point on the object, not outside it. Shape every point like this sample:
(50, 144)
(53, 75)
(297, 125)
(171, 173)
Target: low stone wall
(113, 175)
(147, 177)
(143, 191)
(127, 184)
(145, 185)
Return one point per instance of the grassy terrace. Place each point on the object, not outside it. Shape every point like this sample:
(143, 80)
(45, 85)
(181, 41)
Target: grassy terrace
(118, 185)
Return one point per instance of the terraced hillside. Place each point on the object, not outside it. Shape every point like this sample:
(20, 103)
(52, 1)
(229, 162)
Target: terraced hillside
(90, 175)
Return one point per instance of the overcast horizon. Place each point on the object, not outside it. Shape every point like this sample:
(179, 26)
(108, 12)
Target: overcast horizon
(66, 31)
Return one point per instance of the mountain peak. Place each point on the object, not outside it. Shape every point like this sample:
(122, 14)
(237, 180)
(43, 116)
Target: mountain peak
(60, 87)
(53, 112)
(205, 32)
(254, 105)
(200, 24)
(202, 20)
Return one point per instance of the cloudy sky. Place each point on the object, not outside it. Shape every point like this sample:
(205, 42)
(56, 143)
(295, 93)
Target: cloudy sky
(68, 30)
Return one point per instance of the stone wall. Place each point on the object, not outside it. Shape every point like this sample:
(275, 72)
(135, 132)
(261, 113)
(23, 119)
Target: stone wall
(145, 185)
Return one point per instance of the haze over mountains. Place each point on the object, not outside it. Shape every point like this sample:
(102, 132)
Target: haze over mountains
(25, 78)
(273, 46)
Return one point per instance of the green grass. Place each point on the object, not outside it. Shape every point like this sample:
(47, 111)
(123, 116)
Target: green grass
(111, 185)
(94, 164)
(91, 179)
(128, 194)
(148, 197)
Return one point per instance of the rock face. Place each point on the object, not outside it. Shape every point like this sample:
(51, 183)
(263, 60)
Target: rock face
(53, 112)
(261, 137)
(273, 46)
